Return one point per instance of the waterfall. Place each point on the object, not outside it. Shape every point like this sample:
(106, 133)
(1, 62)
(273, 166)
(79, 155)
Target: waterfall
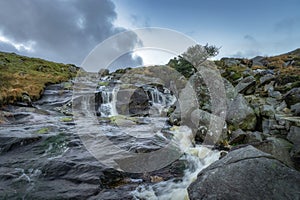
(108, 102)
(198, 157)
(160, 100)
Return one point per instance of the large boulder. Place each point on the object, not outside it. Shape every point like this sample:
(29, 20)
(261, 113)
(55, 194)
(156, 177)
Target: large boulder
(292, 97)
(240, 114)
(246, 85)
(133, 102)
(294, 137)
(267, 111)
(246, 173)
(296, 109)
(277, 147)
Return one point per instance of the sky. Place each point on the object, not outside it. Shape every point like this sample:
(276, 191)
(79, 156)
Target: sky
(68, 30)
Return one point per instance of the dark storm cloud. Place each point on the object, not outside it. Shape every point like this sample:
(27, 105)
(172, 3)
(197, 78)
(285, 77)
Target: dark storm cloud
(62, 30)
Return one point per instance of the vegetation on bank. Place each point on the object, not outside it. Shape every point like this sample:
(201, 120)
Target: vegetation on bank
(22, 77)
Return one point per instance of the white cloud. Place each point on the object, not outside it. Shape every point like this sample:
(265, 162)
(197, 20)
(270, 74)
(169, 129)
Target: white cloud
(27, 46)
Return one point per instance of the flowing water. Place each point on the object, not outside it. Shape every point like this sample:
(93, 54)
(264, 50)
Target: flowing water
(40, 151)
(197, 156)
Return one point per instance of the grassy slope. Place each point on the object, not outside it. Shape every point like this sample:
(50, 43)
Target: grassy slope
(23, 75)
(284, 74)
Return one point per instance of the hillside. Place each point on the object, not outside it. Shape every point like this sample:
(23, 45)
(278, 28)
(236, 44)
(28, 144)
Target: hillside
(285, 67)
(22, 77)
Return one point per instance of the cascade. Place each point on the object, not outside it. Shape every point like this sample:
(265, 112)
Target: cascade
(198, 157)
(108, 105)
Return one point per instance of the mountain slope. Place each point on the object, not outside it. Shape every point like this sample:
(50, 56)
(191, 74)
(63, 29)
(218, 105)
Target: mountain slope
(23, 76)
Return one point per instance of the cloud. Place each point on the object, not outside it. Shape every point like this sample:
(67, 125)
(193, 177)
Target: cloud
(7, 46)
(249, 38)
(139, 21)
(246, 54)
(64, 31)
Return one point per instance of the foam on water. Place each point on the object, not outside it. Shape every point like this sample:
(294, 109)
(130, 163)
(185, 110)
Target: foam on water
(198, 157)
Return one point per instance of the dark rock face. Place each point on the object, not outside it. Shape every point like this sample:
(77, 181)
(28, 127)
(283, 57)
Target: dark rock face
(292, 97)
(139, 103)
(246, 173)
(296, 109)
(266, 79)
(294, 137)
(277, 147)
(133, 102)
(246, 85)
(240, 114)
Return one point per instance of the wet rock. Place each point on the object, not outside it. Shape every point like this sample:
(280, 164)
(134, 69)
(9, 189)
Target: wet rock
(65, 109)
(122, 192)
(111, 177)
(240, 114)
(55, 95)
(246, 173)
(62, 189)
(139, 102)
(246, 85)
(10, 143)
(175, 117)
(132, 102)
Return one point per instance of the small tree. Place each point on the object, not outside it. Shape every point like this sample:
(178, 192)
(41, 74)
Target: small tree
(192, 58)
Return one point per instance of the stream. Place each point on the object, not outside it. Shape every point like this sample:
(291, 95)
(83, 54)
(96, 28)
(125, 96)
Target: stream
(107, 148)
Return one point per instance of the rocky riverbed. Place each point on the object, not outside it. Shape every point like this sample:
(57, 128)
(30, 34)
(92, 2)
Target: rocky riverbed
(47, 146)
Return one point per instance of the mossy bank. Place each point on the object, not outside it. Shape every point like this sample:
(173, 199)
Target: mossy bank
(23, 78)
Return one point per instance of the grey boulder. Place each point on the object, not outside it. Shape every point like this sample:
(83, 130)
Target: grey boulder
(246, 173)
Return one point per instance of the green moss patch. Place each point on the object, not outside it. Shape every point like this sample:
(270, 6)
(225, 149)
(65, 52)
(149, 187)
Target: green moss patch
(43, 131)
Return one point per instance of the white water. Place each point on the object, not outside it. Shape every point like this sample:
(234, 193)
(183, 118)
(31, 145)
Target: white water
(198, 157)
(160, 101)
(109, 99)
